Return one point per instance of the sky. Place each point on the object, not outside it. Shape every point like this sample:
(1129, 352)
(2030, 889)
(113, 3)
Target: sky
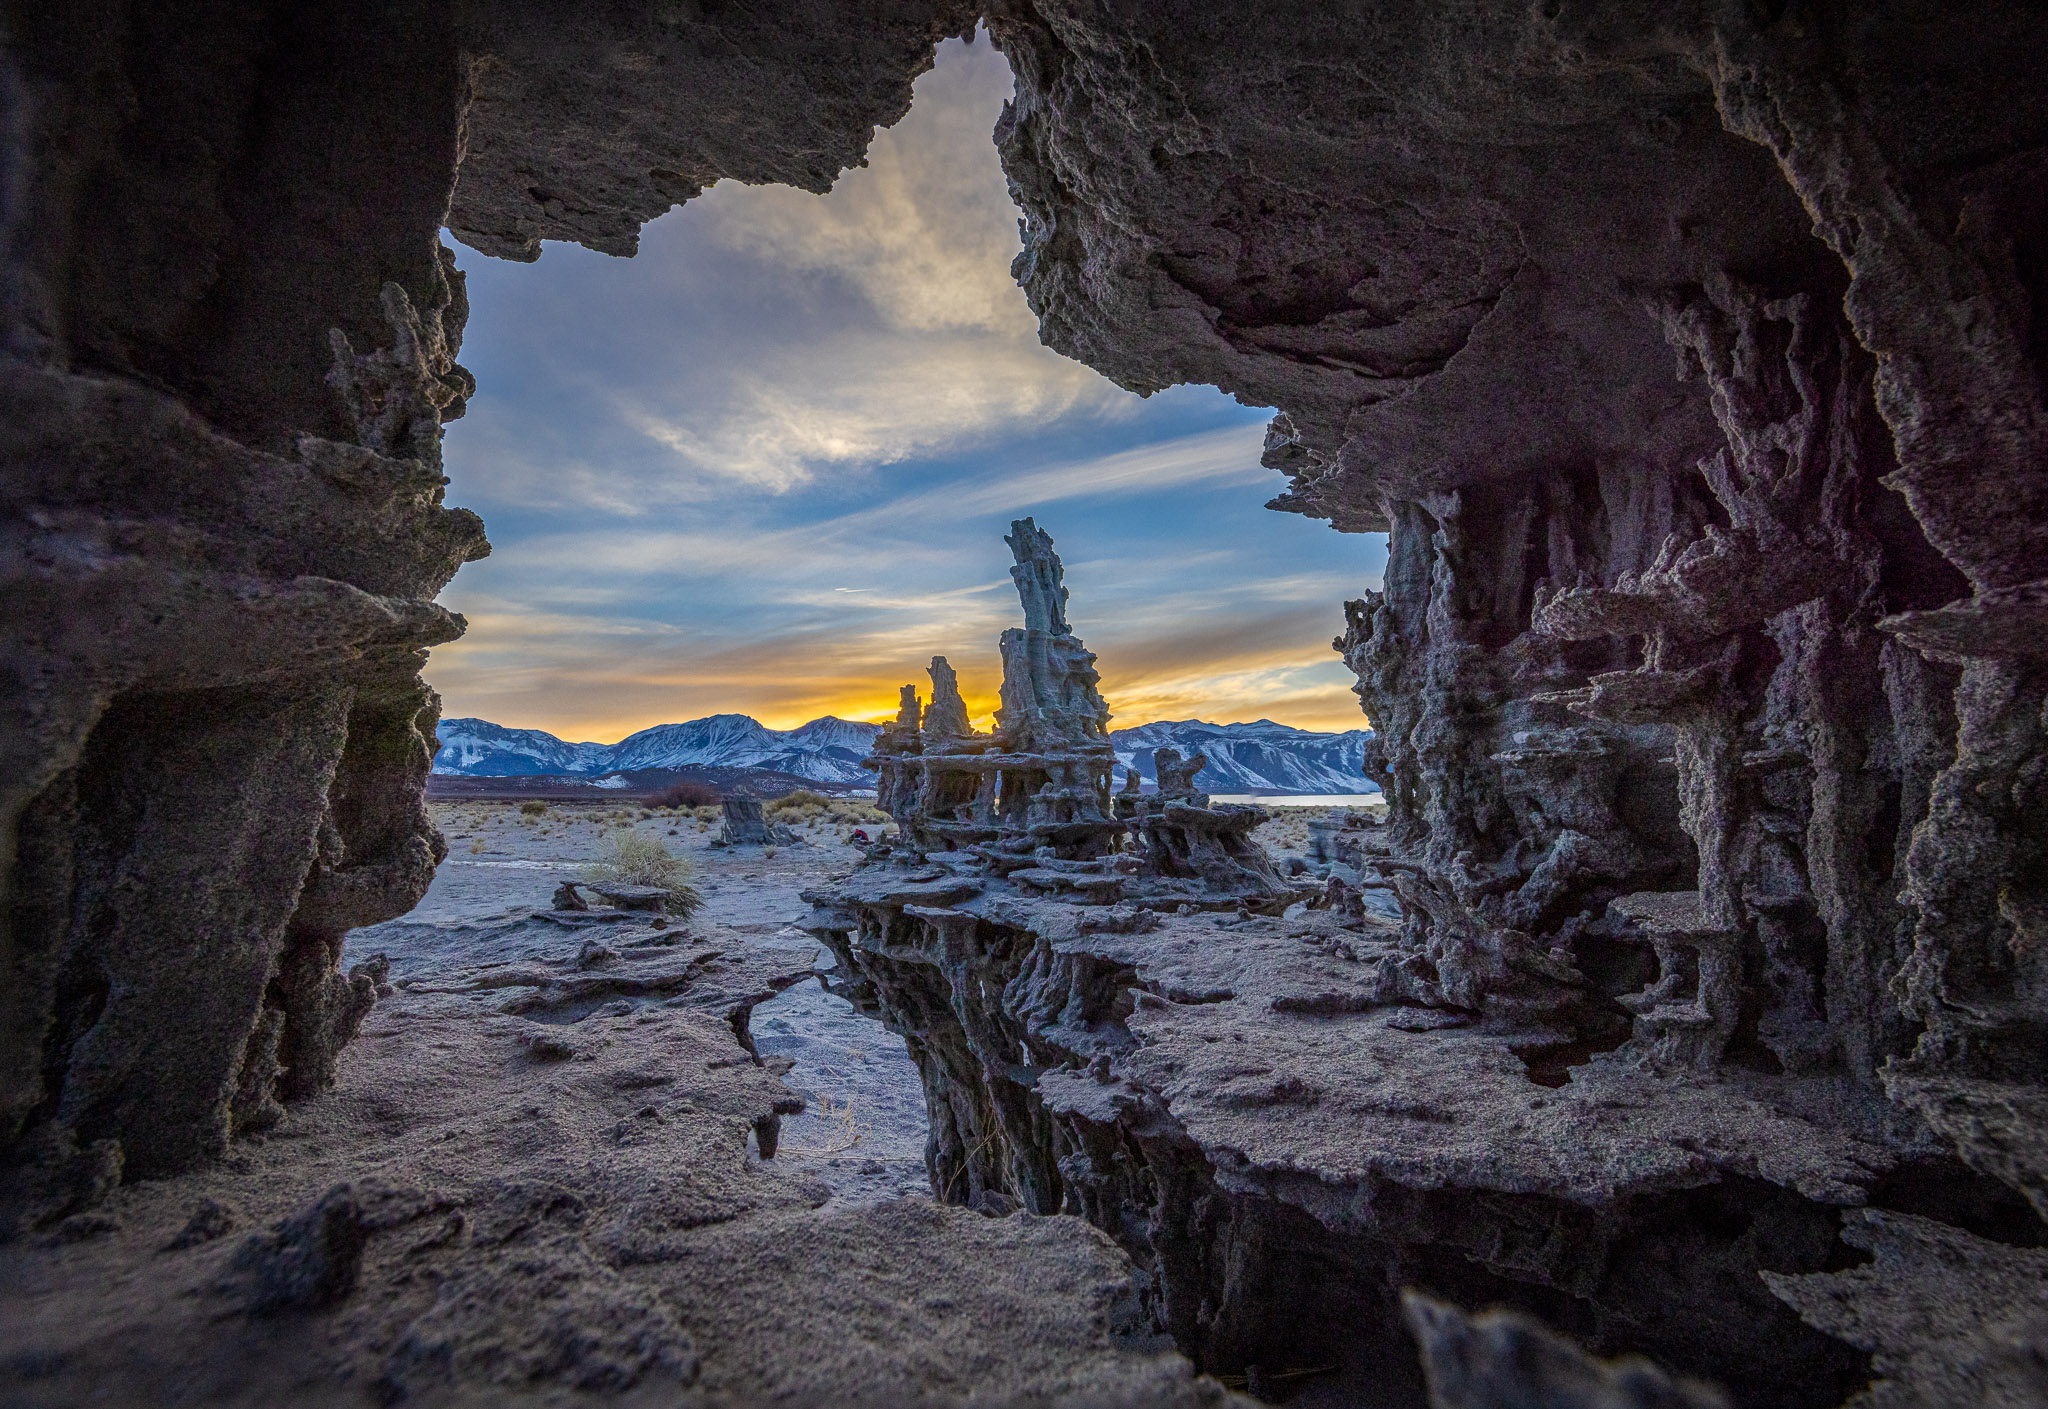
(765, 467)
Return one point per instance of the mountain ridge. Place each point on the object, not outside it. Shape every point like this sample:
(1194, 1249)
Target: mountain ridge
(1257, 757)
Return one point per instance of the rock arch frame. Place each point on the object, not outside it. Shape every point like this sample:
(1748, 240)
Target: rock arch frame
(1694, 364)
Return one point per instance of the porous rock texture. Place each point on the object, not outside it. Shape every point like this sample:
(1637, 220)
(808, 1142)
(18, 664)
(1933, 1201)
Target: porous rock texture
(1691, 355)
(533, 1184)
(228, 334)
(1287, 1111)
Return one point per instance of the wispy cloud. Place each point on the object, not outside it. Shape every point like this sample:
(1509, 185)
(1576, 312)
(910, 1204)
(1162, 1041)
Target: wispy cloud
(1224, 457)
(865, 401)
(791, 336)
(765, 467)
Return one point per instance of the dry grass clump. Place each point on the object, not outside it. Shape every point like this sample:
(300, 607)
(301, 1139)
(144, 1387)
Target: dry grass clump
(631, 859)
(686, 794)
(804, 808)
(857, 810)
(844, 1128)
(532, 809)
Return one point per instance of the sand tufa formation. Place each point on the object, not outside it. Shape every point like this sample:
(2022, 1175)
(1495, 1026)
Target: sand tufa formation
(1690, 355)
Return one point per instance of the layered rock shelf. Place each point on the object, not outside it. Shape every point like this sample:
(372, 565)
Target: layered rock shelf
(1288, 1107)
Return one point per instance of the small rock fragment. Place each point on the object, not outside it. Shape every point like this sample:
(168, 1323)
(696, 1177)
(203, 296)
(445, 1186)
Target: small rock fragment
(548, 1047)
(208, 1221)
(594, 954)
(82, 1227)
(306, 1262)
(1504, 1360)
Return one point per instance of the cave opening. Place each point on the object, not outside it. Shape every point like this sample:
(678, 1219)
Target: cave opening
(755, 470)
(1691, 366)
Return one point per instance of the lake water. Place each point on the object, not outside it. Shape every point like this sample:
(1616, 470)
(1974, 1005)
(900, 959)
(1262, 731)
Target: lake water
(1305, 799)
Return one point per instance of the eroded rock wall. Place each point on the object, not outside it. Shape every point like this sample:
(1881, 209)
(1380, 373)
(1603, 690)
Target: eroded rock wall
(228, 333)
(225, 376)
(1691, 355)
(1693, 360)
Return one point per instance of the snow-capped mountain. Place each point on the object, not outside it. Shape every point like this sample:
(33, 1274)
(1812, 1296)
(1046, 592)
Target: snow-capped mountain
(1243, 758)
(1251, 758)
(828, 750)
(482, 749)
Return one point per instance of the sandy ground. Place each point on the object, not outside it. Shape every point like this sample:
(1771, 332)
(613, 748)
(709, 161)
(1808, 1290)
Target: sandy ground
(538, 1176)
(538, 1180)
(862, 1133)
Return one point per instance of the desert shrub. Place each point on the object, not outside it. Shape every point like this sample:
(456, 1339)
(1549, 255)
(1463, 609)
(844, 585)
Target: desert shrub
(686, 794)
(795, 801)
(532, 809)
(631, 859)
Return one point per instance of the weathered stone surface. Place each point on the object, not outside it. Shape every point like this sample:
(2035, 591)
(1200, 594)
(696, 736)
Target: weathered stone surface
(1641, 632)
(227, 343)
(492, 1208)
(220, 561)
(1948, 1317)
(1691, 356)
(1113, 1018)
(1503, 1361)
(308, 1261)
(1706, 704)
(745, 825)
(588, 120)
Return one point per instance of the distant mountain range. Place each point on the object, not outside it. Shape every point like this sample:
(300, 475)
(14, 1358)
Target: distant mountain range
(1243, 758)
(828, 750)
(1262, 757)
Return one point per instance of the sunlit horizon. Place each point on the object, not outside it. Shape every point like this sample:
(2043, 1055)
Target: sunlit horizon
(875, 701)
(765, 468)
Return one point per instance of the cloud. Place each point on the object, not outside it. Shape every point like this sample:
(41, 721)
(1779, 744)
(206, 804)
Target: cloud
(926, 230)
(788, 336)
(849, 542)
(868, 398)
(1227, 456)
(765, 467)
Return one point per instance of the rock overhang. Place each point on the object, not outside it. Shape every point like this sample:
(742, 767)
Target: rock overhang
(1509, 274)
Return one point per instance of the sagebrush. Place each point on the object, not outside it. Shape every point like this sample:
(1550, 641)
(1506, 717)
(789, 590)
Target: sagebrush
(687, 793)
(627, 858)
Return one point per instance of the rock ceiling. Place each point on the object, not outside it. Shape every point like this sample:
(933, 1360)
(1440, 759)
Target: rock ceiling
(1692, 356)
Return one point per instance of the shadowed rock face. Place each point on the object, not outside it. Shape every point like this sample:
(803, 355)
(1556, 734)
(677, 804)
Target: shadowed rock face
(586, 120)
(227, 344)
(225, 374)
(1694, 363)
(1691, 355)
